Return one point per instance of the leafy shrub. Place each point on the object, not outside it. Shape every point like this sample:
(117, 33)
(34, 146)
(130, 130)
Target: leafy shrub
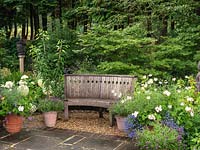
(160, 138)
(46, 105)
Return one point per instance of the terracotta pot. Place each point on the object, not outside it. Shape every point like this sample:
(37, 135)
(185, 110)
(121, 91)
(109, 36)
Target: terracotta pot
(13, 123)
(50, 118)
(121, 122)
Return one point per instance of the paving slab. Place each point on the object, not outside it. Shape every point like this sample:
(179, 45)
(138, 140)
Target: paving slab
(4, 146)
(60, 139)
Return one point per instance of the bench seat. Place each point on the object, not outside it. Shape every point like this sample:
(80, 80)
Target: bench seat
(105, 103)
(96, 91)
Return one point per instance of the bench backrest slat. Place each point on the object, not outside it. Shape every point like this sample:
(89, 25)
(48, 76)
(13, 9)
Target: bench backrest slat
(97, 86)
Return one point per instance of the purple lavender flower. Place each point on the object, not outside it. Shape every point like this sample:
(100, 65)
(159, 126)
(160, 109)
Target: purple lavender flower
(132, 125)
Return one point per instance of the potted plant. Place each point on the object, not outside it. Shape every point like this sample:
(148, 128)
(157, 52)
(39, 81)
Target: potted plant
(15, 104)
(50, 110)
(121, 110)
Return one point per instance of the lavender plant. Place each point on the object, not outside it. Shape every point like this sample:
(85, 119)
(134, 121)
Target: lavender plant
(132, 125)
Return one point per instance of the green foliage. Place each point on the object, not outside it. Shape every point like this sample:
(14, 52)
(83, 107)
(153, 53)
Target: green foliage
(122, 108)
(46, 105)
(8, 52)
(57, 49)
(161, 137)
(114, 68)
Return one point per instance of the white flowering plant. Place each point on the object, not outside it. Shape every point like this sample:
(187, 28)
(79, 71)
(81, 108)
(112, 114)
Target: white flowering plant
(154, 99)
(17, 98)
(123, 107)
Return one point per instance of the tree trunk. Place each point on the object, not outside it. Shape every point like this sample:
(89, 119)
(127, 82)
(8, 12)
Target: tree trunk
(31, 21)
(36, 19)
(149, 23)
(26, 28)
(44, 21)
(85, 23)
(15, 29)
(60, 11)
(23, 30)
(164, 26)
(53, 21)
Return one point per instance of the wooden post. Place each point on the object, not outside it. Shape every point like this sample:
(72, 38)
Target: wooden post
(21, 63)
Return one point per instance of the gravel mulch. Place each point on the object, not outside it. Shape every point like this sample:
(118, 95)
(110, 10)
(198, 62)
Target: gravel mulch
(87, 121)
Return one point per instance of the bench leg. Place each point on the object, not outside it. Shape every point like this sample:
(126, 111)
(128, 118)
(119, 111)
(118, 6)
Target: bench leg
(111, 119)
(100, 112)
(66, 111)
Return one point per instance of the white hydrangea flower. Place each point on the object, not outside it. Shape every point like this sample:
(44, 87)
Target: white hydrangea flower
(167, 93)
(182, 103)
(21, 108)
(9, 84)
(135, 114)
(148, 97)
(151, 117)
(21, 82)
(189, 99)
(158, 109)
(24, 77)
(23, 89)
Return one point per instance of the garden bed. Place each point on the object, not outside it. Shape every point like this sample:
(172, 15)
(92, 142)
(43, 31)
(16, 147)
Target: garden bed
(87, 121)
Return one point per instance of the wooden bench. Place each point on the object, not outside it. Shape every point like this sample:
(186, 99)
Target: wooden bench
(95, 90)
